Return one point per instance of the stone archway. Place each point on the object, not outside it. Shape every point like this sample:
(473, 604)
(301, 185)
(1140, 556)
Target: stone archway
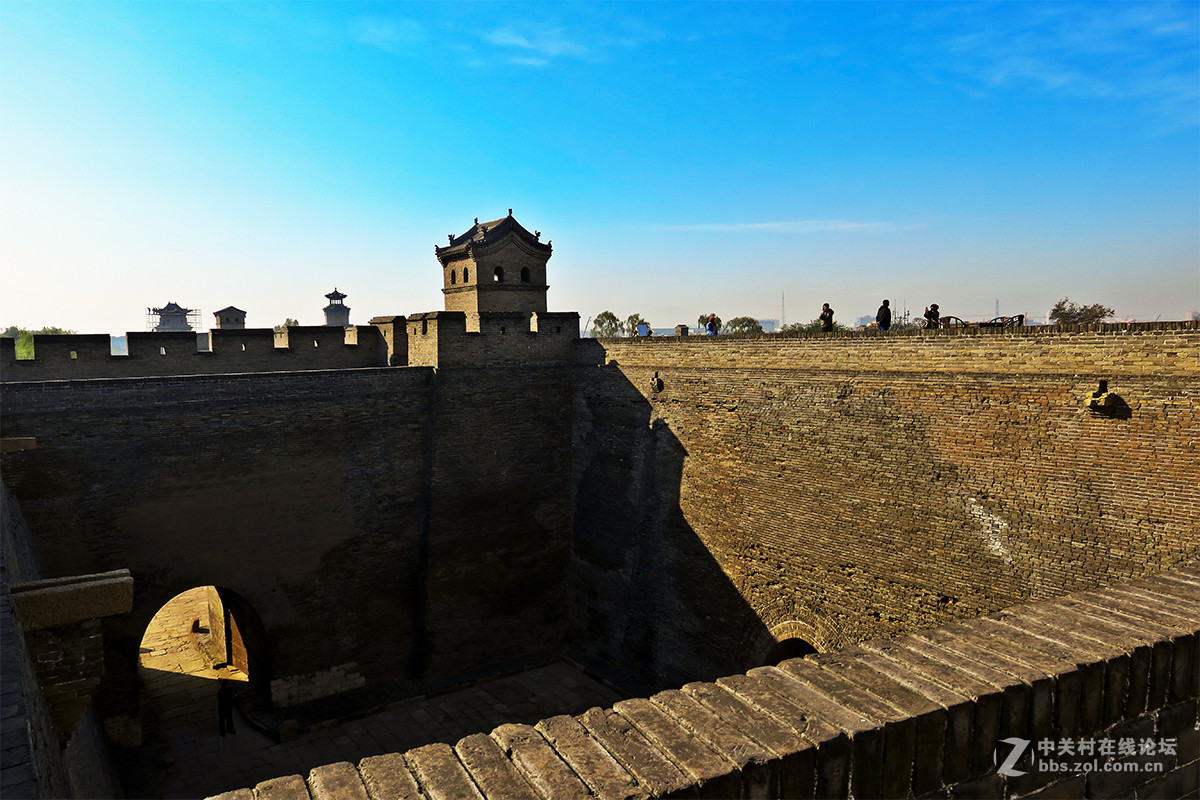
(199, 640)
(790, 639)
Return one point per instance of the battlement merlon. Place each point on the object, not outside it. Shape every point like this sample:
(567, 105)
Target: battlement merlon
(394, 334)
(456, 338)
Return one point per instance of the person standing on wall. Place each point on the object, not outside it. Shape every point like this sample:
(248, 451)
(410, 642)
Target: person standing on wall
(932, 316)
(826, 318)
(883, 317)
(711, 327)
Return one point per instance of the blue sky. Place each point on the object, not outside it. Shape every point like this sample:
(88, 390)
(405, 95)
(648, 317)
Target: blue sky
(683, 157)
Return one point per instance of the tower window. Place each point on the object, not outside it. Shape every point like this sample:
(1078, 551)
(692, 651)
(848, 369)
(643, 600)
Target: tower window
(524, 274)
(453, 277)
(498, 275)
(74, 354)
(162, 351)
(466, 274)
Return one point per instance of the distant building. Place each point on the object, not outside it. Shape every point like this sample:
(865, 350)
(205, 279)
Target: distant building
(230, 318)
(337, 313)
(863, 322)
(769, 325)
(172, 317)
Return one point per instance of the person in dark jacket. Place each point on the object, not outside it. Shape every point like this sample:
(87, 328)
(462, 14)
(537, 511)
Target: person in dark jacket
(883, 317)
(932, 316)
(225, 707)
(826, 318)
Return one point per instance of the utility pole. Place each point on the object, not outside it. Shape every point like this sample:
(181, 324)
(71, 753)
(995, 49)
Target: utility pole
(782, 311)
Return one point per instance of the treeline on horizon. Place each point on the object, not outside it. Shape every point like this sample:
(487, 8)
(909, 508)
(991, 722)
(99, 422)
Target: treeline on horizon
(24, 337)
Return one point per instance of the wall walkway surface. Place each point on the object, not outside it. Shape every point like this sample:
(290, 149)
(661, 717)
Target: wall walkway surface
(926, 715)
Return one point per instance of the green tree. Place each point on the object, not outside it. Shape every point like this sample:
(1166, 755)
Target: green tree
(629, 326)
(702, 322)
(1065, 312)
(287, 323)
(743, 325)
(811, 327)
(24, 337)
(605, 325)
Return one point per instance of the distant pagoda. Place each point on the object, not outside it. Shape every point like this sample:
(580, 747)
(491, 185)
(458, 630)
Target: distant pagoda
(172, 317)
(337, 313)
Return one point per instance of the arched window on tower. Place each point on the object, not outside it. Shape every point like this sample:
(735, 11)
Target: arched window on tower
(524, 274)
(466, 274)
(498, 275)
(453, 277)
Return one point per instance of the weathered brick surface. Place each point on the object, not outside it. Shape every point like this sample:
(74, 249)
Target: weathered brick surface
(867, 460)
(289, 787)
(537, 760)
(605, 778)
(387, 777)
(441, 775)
(327, 500)
(88, 356)
(338, 781)
(819, 727)
(491, 770)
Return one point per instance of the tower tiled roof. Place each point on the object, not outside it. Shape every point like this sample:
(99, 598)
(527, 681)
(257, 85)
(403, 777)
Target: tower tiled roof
(485, 233)
(172, 308)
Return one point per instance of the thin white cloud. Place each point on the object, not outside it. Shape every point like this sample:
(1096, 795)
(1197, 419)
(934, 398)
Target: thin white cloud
(798, 226)
(1143, 53)
(547, 42)
(387, 33)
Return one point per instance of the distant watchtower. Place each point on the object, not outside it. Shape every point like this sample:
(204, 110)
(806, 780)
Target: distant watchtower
(337, 313)
(495, 266)
(230, 318)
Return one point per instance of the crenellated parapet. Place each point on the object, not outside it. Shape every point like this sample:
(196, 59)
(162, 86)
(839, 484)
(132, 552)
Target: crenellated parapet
(457, 338)
(220, 351)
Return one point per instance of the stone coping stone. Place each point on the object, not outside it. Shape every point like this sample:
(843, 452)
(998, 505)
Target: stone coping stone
(916, 717)
(64, 601)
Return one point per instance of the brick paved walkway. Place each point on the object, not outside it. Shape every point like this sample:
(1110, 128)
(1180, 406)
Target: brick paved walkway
(184, 757)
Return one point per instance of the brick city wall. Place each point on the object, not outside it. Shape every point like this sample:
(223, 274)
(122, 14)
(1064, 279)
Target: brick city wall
(85, 356)
(919, 716)
(48, 674)
(310, 495)
(455, 338)
(733, 491)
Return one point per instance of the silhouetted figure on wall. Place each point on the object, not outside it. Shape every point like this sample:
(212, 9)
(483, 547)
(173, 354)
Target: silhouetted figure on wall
(883, 317)
(932, 316)
(225, 707)
(826, 318)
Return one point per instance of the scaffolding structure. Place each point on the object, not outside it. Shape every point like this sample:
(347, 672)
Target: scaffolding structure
(173, 317)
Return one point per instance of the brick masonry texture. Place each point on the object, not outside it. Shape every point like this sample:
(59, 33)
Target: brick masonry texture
(795, 730)
(737, 490)
(687, 502)
(338, 504)
(84, 356)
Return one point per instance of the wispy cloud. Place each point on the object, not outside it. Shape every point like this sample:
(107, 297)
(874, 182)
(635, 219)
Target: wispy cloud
(546, 42)
(388, 33)
(797, 226)
(1143, 53)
